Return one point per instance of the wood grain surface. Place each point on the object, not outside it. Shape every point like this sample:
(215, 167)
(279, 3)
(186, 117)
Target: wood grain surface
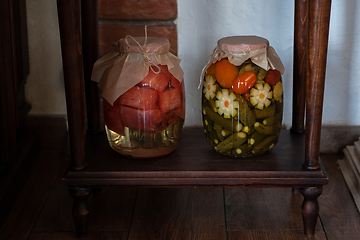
(339, 214)
(43, 209)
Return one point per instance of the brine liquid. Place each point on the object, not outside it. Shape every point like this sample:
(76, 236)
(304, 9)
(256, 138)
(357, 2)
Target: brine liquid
(140, 144)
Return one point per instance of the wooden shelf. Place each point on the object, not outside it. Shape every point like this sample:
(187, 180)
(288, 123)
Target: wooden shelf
(294, 162)
(195, 163)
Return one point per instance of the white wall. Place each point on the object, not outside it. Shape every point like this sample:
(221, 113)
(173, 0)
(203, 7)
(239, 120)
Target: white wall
(200, 24)
(45, 84)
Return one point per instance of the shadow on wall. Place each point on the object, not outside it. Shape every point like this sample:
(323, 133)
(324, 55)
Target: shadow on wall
(342, 65)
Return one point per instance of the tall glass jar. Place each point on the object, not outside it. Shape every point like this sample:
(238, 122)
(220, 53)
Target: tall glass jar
(144, 97)
(242, 100)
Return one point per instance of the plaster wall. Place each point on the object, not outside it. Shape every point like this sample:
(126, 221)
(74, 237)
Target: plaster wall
(200, 24)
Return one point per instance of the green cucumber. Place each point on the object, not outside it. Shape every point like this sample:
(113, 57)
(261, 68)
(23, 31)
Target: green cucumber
(212, 104)
(208, 123)
(232, 141)
(229, 124)
(246, 130)
(212, 138)
(252, 130)
(225, 132)
(218, 130)
(266, 144)
(279, 106)
(267, 130)
(249, 67)
(266, 112)
(273, 119)
(255, 138)
(262, 74)
(245, 114)
(244, 148)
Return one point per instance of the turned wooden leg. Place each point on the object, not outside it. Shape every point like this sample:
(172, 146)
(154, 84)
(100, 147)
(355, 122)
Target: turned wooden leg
(80, 209)
(310, 208)
(295, 190)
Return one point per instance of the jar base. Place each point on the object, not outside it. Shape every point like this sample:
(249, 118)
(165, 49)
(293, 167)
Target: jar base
(140, 144)
(244, 156)
(137, 153)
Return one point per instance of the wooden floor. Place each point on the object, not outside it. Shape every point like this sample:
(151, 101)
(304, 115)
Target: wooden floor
(42, 210)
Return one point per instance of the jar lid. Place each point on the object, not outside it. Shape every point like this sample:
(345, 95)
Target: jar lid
(242, 43)
(153, 45)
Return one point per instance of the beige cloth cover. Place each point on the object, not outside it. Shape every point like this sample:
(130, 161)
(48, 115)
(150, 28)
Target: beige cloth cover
(240, 48)
(120, 70)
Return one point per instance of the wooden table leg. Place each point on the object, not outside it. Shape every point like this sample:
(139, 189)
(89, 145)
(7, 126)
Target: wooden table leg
(300, 65)
(310, 208)
(69, 13)
(319, 19)
(80, 209)
(90, 46)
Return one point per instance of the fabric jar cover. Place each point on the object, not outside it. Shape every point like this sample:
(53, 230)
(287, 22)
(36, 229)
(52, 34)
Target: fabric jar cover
(120, 70)
(240, 48)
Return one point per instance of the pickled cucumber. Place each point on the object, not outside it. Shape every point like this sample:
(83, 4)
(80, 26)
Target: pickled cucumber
(229, 124)
(218, 130)
(225, 132)
(279, 106)
(267, 130)
(244, 148)
(249, 130)
(246, 129)
(255, 138)
(252, 130)
(212, 104)
(245, 114)
(212, 138)
(273, 119)
(232, 141)
(265, 144)
(262, 74)
(266, 112)
(208, 123)
(249, 67)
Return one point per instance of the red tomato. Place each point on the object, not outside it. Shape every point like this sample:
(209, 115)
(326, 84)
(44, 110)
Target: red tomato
(112, 117)
(138, 97)
(174, 83)
(225, 73)
(272, 77)
(138, 119)
(168, 119)
(157, 81)
(244, 82)
(170, 99)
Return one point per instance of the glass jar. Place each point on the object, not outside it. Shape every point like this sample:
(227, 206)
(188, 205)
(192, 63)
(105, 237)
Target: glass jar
(242, 97)
(143, 98)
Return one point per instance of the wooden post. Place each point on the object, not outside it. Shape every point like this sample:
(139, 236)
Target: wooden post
(319, 18)
(300, 65)
(70, 33)
(90, 46)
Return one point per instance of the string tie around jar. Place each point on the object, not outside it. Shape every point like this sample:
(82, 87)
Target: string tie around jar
(127, 65)
(209, 61)
(216, 55)
(146, 54)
